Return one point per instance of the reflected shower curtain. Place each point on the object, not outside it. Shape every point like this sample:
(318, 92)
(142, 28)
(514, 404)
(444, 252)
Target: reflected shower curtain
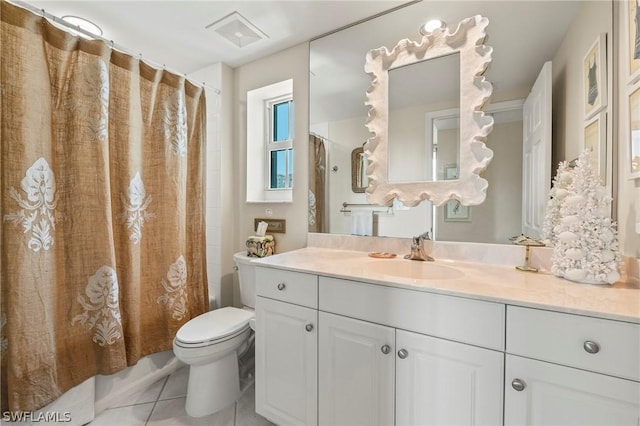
(103, 253)
(317, 179)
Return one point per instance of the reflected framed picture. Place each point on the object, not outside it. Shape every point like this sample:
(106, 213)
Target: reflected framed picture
(595, 137)
(633, 140)
(594, 71)
(450, 171)
(456, 212)
(631, 10)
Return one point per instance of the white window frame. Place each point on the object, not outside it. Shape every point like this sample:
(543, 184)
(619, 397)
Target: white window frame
(283, 145)
(258, 128)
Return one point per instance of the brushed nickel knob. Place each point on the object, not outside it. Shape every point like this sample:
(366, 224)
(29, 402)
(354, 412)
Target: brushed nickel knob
(518, 385)
(402, 353)
(308, 327)
(281, 286)
(591, 347)
(385, 349)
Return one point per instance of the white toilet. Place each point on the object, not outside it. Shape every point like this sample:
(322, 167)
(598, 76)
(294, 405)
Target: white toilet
(210, 344)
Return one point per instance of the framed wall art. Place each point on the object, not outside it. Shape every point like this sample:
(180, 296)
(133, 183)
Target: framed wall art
(454, 211)
(633, 138)
(595, 140)
(594, 71)
(631, 22)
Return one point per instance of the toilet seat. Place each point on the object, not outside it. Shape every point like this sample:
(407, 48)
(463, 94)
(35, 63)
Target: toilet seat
(213, 327)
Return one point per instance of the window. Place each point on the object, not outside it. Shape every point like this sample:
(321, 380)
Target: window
(270, 135)
(280, 143)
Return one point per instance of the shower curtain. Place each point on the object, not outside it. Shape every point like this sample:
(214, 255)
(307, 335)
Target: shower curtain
(103, 251)
(317, 179)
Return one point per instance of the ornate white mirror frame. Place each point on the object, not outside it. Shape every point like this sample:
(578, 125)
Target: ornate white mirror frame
(474, 156)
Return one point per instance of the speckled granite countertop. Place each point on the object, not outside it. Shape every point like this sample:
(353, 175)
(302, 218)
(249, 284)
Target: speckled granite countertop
(497, 283)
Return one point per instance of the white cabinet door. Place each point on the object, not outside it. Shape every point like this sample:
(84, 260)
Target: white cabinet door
(286, 362)
(355, 372)
(550, 394)
(439, 382)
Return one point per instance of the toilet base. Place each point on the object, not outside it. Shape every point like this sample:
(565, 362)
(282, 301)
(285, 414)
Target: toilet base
(213, 386)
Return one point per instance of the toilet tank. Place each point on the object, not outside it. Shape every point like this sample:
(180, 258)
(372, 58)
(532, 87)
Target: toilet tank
(246, 278)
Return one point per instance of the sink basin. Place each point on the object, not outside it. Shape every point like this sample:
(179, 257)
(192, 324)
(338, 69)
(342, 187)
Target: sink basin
(413, 269)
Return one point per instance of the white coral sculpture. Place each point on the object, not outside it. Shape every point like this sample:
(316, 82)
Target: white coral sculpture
(586, 248)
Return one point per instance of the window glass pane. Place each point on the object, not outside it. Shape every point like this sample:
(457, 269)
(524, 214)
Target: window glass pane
(281, 121)
(278, 169)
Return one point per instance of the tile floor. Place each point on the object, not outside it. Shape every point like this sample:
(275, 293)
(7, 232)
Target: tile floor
(163, 404)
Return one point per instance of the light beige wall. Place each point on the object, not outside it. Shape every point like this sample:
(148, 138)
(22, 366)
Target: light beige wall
(292, 63)
(568, 109)
(499, 217)
(628, 197)
(568, 121)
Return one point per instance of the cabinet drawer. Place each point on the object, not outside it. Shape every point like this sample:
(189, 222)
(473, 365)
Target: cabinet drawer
(288, 286)
(464, 320)
(562, 338)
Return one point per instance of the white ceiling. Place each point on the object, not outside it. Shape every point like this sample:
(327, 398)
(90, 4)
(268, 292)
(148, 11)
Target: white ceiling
(173, 33)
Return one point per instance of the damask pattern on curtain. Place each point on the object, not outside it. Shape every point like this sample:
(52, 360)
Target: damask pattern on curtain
(103, 251)
(317, 179)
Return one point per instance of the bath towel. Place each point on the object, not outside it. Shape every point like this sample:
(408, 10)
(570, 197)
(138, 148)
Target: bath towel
(361, 222)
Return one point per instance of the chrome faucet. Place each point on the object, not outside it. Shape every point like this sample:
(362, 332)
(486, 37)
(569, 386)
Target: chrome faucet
(417, 248)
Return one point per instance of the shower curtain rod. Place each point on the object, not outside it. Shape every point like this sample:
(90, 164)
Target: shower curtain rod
(113, 45)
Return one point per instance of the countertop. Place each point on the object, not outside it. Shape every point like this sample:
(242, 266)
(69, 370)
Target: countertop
(497, 283)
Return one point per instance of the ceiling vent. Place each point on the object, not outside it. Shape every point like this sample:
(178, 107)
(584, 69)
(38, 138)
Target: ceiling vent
(237, 29)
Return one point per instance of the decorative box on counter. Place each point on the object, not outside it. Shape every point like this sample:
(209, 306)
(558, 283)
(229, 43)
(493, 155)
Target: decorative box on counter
(260, 246)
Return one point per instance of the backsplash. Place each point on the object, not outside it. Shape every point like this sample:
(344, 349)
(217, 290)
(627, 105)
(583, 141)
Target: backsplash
(494, 254)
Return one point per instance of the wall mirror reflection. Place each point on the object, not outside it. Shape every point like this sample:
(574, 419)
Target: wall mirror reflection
(524, 36)
(409, 144)
(359, 178)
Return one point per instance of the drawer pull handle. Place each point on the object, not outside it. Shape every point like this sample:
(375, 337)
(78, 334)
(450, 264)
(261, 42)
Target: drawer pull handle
(281, 286)
(402, 353)
(308, 327)
(591, 347)
(518, 385)
(385, 349)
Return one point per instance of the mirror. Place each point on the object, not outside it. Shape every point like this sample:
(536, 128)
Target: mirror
(466, 42)
(524, 36)
(359, 163)
(409, 156)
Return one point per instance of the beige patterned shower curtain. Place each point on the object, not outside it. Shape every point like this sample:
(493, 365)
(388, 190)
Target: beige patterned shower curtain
(317, 184)
(103, 252)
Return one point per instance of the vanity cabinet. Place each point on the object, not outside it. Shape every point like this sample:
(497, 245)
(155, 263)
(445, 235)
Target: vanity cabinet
(439, 382)
(542, 393)
(571, 369)
(355, 372)
(287, 347)
(345, 352)
(365, 368)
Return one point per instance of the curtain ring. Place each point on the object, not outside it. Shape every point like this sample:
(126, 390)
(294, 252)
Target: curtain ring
(111, 43)
(43, 13)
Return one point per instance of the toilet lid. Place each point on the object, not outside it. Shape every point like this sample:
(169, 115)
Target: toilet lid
(214, 325)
